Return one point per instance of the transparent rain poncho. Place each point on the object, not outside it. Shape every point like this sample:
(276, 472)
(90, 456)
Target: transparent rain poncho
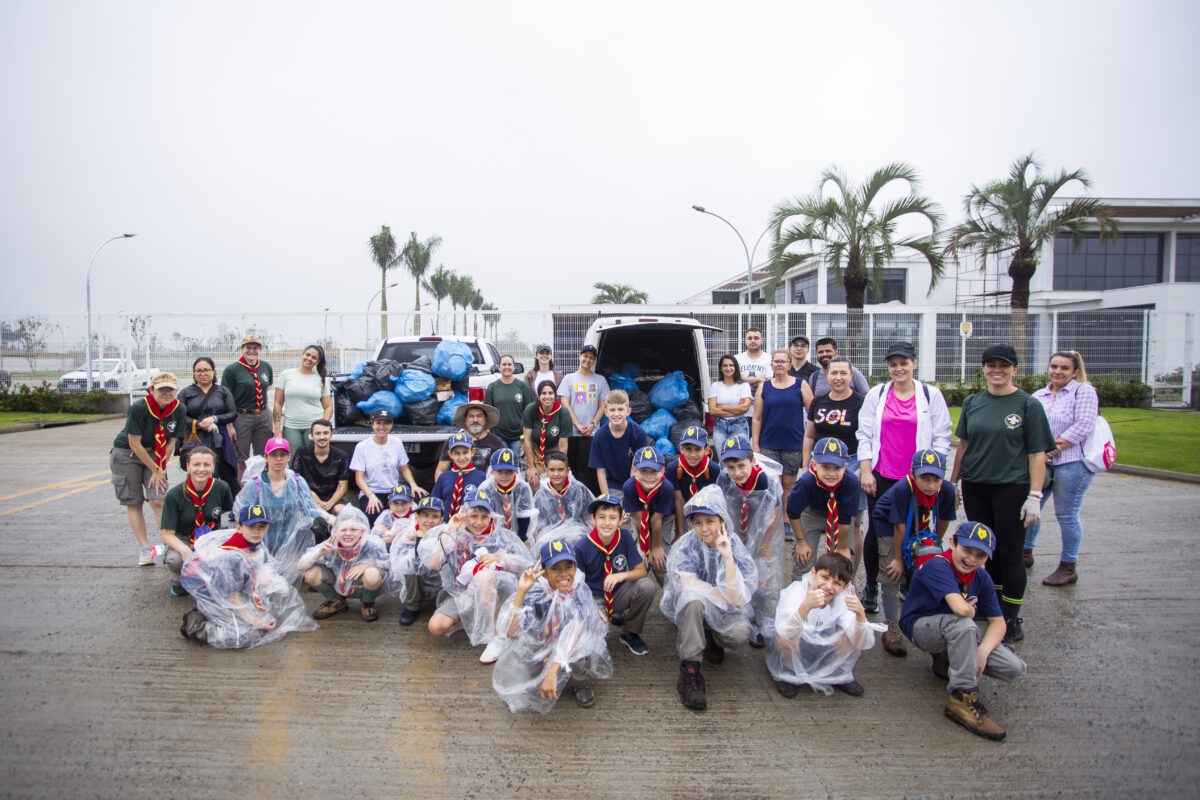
(569, 507)
(820, 651)
(478, 593)
(696, 571)
(762, 533)
(514, 508)
(405, 563)
(243, 599)
(341, 557)
(292, 513)
(551, 627)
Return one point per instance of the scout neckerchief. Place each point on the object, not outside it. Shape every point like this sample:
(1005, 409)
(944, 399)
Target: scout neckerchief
(457, 497)
(964, 578)
(607, 550)
(701, 471)
(746, 488)
(466, 548)
(238, 542)
(922, 519)
(200, 526)
(831, 508)
(259, 401)
(344, 584)
(645, 498)
(160, 432)
(545, 417)
(556, 613)
(559, 495)
(506, 499)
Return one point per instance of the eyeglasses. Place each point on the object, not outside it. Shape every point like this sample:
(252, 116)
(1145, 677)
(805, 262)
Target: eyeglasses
(199, 370)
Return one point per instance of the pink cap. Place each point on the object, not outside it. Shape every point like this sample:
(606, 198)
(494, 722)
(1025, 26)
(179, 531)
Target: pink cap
(277, 443)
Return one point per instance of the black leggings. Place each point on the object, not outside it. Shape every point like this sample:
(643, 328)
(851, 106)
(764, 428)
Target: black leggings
(579, 452)
(998, 505)
(871, 544)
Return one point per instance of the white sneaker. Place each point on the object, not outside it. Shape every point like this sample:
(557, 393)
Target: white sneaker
(491, 652)
(146, 557)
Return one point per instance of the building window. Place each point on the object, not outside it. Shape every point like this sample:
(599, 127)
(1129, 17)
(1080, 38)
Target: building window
(1135, 259)
(894, 288)
(1187, 257)
(781, 293)
(804, 288)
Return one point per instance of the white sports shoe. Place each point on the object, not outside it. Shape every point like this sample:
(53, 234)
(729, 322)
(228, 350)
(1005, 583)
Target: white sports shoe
(491, 652)
(146, 557)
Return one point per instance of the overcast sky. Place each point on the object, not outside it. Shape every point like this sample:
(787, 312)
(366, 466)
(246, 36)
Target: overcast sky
(254, 147)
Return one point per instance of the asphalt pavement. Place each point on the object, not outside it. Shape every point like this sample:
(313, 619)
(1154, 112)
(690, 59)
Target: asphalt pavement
(101, 696)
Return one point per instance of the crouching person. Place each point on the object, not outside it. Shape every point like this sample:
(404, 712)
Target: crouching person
(409, 579)
(553, 634)
(946, 595)
(711, 578)
(350, 563)
(819, 631)
(241, 601)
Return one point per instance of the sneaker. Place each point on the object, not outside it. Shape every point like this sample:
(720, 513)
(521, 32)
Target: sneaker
(788, 690)
(788, 535)
(941, 665)
(691, 686)
(492, 651)
(893, 640)
(330, 607)
(584, 697)
(195, 626)
(964, 708)
(369, 614)
(635, 644)
(407, 617)
(178, 591)
(1014, 632)
(870, 598)
(852, 688)
(713, 653)
(757, 641)
(145, 557)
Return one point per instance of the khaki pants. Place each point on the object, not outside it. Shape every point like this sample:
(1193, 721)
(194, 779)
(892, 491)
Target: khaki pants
(689, 640)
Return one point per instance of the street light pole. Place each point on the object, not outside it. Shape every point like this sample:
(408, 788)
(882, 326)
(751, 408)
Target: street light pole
(748, 251)
(89, 303)
(367, 322)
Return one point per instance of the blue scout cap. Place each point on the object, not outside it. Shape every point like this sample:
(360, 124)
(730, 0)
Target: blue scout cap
(929, 462)
(694, 435)
(401, 492)
(504, 459)
(977, 535)
(648, 458)
(253, 515)
(736, 447)
(430, 503)
(609, 499)
(460, 439)
(697, 506)
(555, 551)
(477, 498)
(831, 451)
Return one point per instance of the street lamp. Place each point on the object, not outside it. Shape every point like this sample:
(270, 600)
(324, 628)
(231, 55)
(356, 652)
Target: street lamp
(367, 321)
(749, 253)
(89, 303)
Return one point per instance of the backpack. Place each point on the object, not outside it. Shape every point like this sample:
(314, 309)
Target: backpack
(1099, 448)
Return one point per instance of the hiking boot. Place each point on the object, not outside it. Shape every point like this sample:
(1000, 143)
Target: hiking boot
(369, 614)
(893, 640)
(852, 688)
(584, 697)
(1028, 556)
(331, 607)
(1062, 576)
(788, 690)
(634, 643)
(713, 653)
(941, 665)
(691, 686)
(870, 598)
(407, 617)
(964, 708)
(1014, 632)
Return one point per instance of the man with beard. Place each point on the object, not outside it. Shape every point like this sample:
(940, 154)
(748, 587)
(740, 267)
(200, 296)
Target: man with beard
(477, 419)
(817, 384)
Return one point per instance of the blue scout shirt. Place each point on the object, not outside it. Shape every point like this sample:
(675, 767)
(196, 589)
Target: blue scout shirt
(933, 581)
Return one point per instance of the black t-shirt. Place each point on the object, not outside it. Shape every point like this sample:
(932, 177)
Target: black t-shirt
(322, 477)
(837, 418)
(808, 369)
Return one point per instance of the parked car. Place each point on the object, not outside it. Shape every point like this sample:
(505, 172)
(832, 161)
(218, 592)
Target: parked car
(114, 375)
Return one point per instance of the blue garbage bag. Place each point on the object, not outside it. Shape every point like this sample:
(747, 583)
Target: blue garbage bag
(665, 447)
(670, 392)
(630, 370)
(379, 400)
(658, 426)
(623, 382)
(452, 360)
(413, 385)
(358, 369)
(446, 412)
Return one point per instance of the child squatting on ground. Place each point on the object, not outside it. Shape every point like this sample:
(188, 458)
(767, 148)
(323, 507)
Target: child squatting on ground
(350, 563)
(561, 503)
(398, 515)
(408, 579)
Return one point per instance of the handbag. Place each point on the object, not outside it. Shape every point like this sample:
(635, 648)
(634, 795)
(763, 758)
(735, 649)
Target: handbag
(190, 441)
(1100, 448)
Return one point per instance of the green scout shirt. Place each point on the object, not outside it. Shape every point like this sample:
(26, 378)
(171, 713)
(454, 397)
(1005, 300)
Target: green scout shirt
(238, 380)
(560, 426)
(179, 513)
(1001, 433)
(140, 422)
(510, 400)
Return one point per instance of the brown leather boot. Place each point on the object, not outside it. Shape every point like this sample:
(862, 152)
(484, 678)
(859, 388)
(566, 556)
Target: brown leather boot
(941, 665)
(893, 640)
(964, 708)
(1028, 554)
(1062, 576)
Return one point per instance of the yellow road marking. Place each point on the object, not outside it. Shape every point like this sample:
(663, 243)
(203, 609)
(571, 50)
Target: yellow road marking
(50, 486)
(83, 488)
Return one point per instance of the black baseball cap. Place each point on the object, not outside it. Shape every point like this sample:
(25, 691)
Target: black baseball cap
(904, 349)
(800, 337)
(589, 348)
(1004, 352)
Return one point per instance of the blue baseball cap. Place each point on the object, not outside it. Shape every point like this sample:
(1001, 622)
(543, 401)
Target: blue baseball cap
(648, 458)
(460, 439)
(477, 498)
(736, 447)
(609, 499)
(831, 451)
(504, 459)
(696, 506)
(555, 551)
(401, 492)
(929, 462)
(430, 503)
(977, 535)
(253, 515)
(694, 435)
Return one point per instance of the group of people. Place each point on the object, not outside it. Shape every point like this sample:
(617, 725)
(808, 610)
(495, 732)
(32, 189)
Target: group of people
(510, 533)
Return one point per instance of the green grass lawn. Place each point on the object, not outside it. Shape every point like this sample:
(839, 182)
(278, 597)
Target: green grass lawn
(9, 418)
(1150, 438)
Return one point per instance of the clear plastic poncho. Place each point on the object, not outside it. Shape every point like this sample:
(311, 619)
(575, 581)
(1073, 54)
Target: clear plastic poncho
(511, 506)
(478, 594)
(763, 536)
(820, 651)
(551, 627)
(405, 563)
(292, 513)
(571, 507)
(696, 571)
(340, 558)
(244, 600)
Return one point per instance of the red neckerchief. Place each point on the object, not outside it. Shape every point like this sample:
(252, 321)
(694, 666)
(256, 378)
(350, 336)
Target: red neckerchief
(964, 578)
(925, 504)
(701, 471)
(160, 432)
(238, 542)
(506, 500)
(594, 538)
(259, 401)
(344, 585)
(746, 488)
(466, 546)
(645, 498)
(542, 436)
(558, 496)
(456, 499)
(831, 508)
(200, 526)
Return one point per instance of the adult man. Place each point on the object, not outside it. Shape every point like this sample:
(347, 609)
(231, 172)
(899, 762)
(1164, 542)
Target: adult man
(509, 396)
(477, 419)
(801, 367)
(817, 384)
(754, 364)
(248, 379)
(326, 470)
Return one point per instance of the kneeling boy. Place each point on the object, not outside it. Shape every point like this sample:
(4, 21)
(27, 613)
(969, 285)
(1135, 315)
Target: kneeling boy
(409, 579)
(352, 561)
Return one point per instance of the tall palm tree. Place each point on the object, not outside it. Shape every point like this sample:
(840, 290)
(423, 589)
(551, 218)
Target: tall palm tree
(854, 234)
(476, 305)
(438, 284)
(491, 320)
(616, 293)
(462, 293)
(383, 252)
(417, 255)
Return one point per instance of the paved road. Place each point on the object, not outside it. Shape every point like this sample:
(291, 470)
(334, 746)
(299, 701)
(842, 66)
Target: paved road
(102, 697)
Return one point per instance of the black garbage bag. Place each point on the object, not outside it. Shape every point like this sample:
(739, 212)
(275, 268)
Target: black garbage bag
(462, 385)
(344, 410)
(424, 363)
(690, 412)
(386, 374)
(677, 432)
(422, 412)
(639, 406)
(360, 388)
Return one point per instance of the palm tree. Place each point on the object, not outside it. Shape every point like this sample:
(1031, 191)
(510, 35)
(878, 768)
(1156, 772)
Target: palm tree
(438, 284)
(491, 320)
(383, 252)
(616, 293)
(853, 238)
(476, 305)
(417, 255)
(461, 294)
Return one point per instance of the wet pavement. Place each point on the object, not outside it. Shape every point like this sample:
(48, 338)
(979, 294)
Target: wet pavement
(101, 696)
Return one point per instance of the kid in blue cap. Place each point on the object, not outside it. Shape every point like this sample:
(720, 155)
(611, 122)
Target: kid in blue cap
(690, 472)
(452, 485)
(409, 579)
(512, 499)
(398, 514)
(648, 497)
(822, 504)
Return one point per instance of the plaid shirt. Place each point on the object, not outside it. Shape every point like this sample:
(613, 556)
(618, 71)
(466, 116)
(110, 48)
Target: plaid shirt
(1072, 414)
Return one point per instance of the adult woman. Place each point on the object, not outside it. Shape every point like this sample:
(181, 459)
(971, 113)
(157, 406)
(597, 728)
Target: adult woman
(211, 409)
(510, 398)
(1071, 405)
(897, 419)
(777, 428)
(546, 426)
(1003, 438)
(302, 397)
(729, 401)
(543, 370)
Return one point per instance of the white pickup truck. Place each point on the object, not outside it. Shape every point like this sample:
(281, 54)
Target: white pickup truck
(117, 375)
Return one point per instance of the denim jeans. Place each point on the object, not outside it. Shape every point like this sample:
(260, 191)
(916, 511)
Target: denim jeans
(1071, 482)
(725, 427)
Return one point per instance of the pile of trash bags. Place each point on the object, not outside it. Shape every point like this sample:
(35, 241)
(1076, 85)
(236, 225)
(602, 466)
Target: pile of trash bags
(425, 391)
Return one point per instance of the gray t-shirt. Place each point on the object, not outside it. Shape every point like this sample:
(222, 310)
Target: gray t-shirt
(583, 395)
